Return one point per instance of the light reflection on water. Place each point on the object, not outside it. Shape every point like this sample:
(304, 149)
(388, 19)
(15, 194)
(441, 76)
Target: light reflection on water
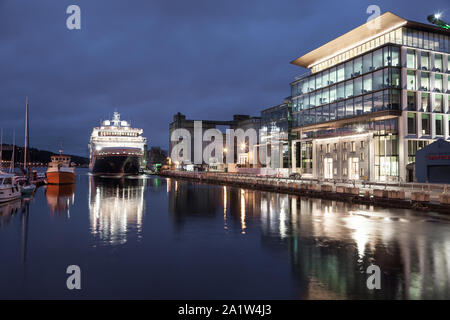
(115, 206)
(332, 243)
(218, 241)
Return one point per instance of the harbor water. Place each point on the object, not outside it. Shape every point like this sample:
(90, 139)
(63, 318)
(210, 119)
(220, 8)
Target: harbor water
(163, 238)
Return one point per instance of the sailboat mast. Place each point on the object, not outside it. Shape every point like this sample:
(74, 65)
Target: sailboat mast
(11, 168)
(26, 137)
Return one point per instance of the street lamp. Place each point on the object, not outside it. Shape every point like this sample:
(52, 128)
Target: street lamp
(224, 159)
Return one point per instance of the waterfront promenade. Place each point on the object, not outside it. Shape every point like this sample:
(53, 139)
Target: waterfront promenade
(426, 197)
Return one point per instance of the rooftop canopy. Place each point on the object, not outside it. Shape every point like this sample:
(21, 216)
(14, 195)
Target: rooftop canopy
(385, 22)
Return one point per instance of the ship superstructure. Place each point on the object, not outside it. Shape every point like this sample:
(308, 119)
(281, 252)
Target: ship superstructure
(116, 148)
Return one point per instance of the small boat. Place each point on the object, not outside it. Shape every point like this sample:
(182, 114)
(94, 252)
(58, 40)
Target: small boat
(60, 170)
(9, 188)
(28, 189)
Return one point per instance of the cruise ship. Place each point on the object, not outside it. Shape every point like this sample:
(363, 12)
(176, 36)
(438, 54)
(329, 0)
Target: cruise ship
(116, 148)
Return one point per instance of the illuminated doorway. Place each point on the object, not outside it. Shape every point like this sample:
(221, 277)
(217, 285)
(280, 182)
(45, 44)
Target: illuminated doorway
(328, 168)
(353, 168)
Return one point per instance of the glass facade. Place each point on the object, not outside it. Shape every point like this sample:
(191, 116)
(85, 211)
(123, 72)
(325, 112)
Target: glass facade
(277, 121)
(405, 70)
(366, 84)
(386, 156)
(429, 96)
(401, 36)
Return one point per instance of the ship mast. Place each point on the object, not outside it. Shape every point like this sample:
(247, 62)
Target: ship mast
(11, 168)
(25, 159)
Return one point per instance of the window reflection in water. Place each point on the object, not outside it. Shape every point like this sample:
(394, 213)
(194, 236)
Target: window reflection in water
(331, 243)
(116, 207)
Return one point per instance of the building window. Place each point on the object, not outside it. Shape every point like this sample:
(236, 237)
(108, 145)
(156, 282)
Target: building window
(411, 80)
(412, 123)
(328, 148)
(335, 171)
(377, 80)
(344, 157)
(438, 63)
(411, 101)
(367, 63)
(357, 66)
(321, 147)
(394, 78)
(438, 103)
(425, 102)
(335, 146)
(345, 146)
(367, 83)
(411, 59)
(358, 106)
(361, 156)
(413, 147)
(332, 75)
(424, 81)
(340, 91)
(424, 60)
(437, 83)
(353, 148)
(426, 124)
(439, 124)
(368, 103)
(362, 144)
(344, 171)
(340, 73)
(361, 172)
(378, 101)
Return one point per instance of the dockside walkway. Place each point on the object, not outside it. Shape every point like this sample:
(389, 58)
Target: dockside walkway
(419, 196)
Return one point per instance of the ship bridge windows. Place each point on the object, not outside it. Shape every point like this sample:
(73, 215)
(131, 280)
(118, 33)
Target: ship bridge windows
(117, 134)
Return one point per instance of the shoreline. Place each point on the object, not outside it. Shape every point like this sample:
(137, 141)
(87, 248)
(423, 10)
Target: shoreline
(377, 197)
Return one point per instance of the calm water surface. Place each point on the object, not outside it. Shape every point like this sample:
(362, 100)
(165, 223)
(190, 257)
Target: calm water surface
(163, 238)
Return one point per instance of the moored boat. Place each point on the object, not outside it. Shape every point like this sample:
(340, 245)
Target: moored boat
(116, 148)
(60, 170)
(9, 188)
(28, 189)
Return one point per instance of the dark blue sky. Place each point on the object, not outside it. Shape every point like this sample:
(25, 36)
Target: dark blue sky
(208, 59)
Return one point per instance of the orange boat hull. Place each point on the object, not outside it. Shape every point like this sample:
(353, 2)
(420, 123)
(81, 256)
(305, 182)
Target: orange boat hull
(60, 177)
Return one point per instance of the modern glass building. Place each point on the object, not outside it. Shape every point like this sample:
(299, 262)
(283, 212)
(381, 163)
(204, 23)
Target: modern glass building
(372, 98)
(276, 125)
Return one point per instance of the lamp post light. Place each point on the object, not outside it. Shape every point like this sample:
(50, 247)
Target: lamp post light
(225, 159)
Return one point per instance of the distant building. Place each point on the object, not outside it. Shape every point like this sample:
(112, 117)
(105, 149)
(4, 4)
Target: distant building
(243, 122)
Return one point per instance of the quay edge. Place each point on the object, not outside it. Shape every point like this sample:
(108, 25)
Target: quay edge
(377, 197)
